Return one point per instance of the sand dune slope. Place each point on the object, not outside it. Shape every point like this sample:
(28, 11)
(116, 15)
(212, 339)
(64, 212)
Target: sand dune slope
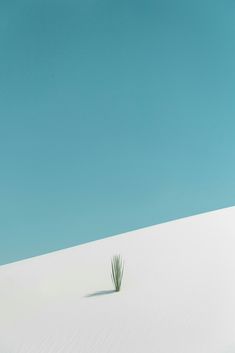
(178, 293)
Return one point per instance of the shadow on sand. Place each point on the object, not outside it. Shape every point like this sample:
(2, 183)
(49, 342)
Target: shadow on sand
(100, 293)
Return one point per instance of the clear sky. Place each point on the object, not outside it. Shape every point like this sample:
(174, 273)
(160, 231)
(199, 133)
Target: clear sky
(115, 115)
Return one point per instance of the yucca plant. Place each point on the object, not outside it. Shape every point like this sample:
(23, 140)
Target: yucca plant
(117, 265)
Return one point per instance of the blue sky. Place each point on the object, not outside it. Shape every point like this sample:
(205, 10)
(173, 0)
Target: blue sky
(115, 115)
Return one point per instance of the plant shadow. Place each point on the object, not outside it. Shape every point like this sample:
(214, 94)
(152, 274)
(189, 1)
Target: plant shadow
(100, 293)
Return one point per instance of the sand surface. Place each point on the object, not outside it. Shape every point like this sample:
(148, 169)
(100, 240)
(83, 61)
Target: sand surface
(178, 293)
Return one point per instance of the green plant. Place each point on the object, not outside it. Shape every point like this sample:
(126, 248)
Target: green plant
(117, 266)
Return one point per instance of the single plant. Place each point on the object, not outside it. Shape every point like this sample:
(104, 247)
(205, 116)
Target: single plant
(117, 265)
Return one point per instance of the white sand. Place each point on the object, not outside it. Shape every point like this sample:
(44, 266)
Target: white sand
(178, 293)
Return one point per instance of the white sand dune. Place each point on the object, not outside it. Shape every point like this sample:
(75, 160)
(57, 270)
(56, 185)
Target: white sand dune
(178, 293)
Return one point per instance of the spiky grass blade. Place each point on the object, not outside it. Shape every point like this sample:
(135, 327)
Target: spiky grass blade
(117, 266)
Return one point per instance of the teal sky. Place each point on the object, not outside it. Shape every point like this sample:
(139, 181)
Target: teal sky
(115, 115)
